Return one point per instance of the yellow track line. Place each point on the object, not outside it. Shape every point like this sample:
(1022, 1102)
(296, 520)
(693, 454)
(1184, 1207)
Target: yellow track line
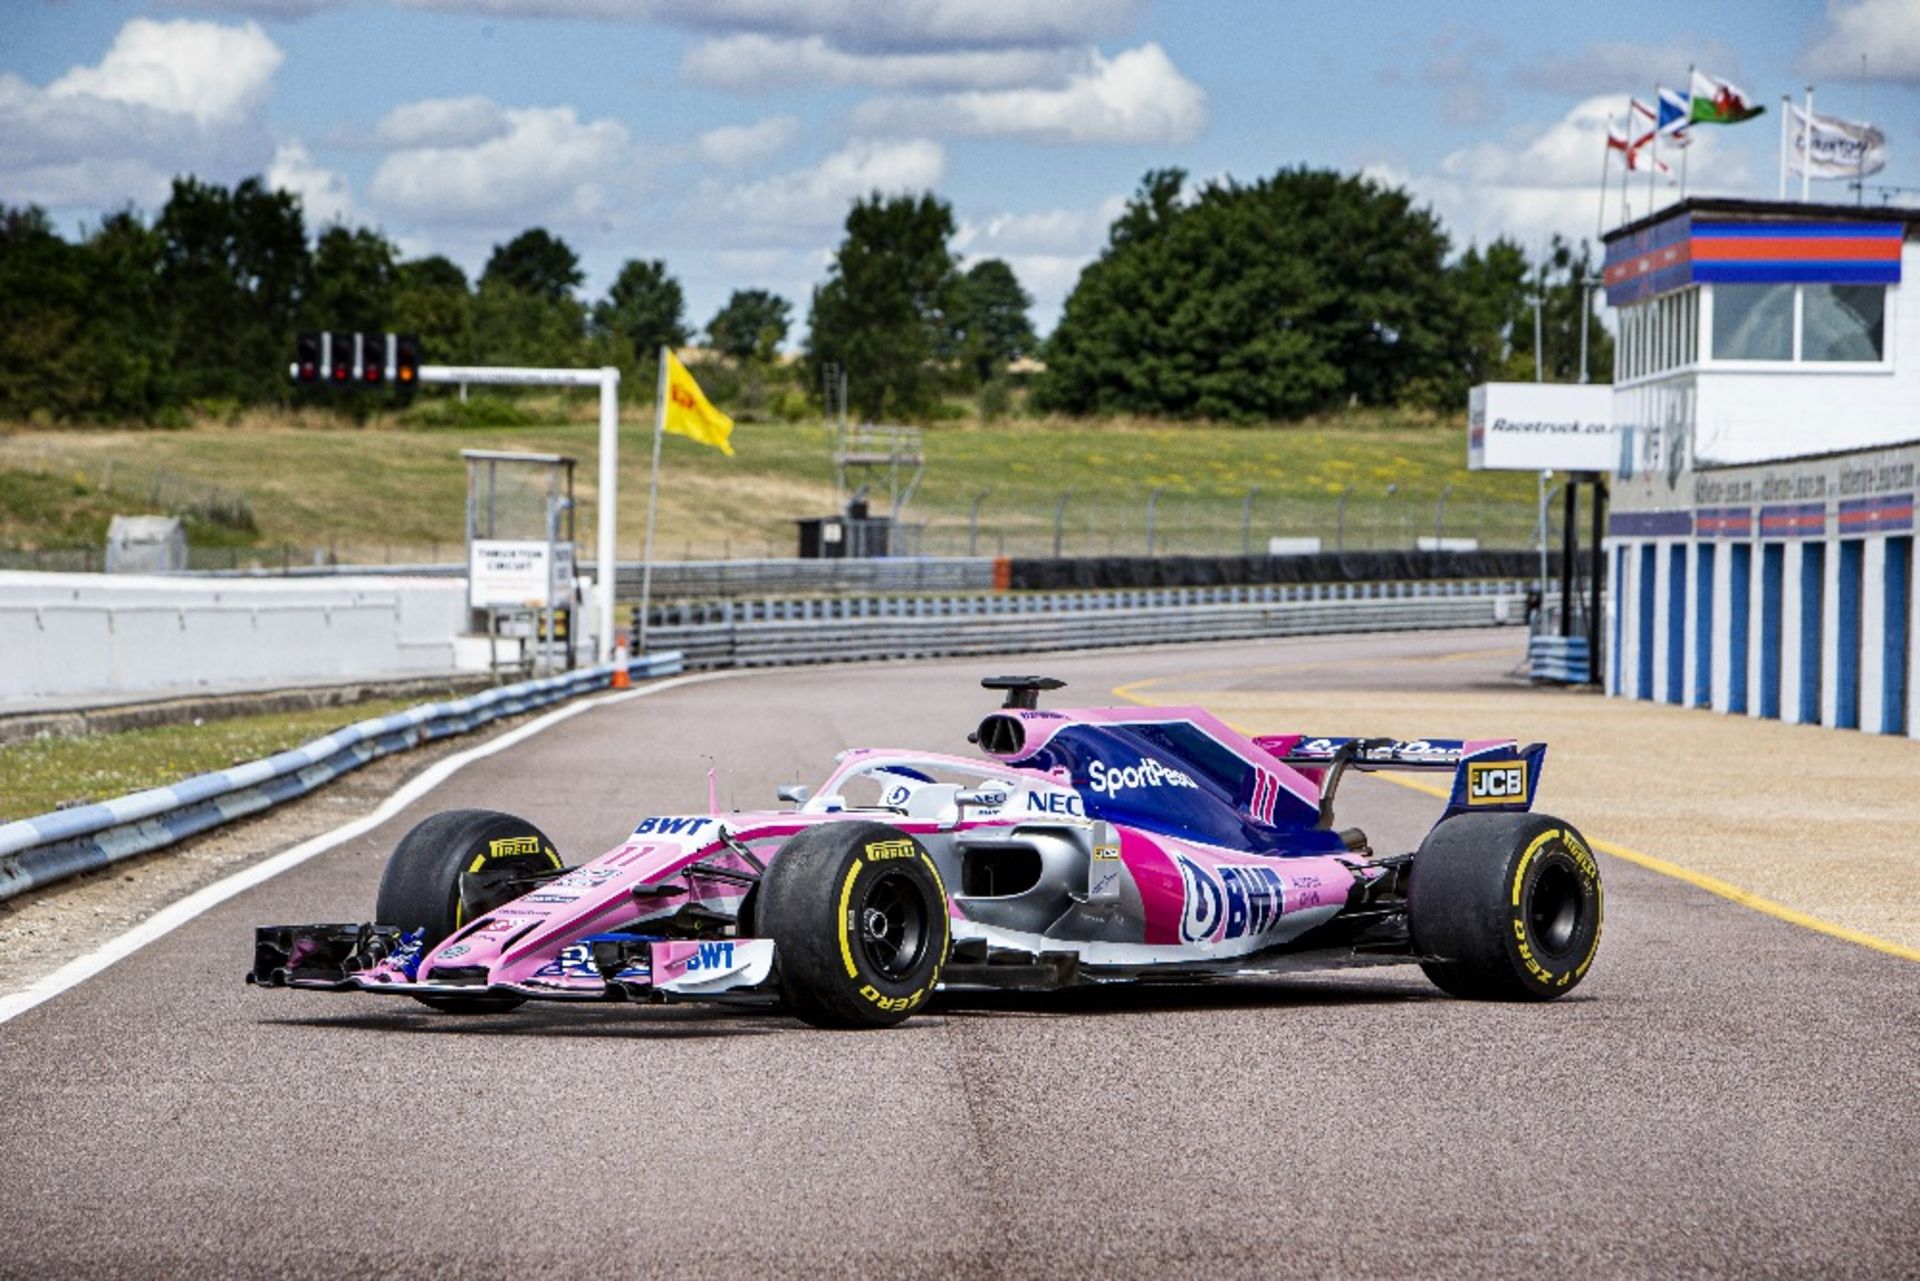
(1712, 884)
(1458, 656)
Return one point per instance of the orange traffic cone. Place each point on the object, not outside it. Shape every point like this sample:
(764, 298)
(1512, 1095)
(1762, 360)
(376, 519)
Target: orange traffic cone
(620, 678)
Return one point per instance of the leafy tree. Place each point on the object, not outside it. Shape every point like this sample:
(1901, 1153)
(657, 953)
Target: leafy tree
(1274, 299)
(126, 346)
(990, 325)
(1489, 291)
(887, 303)
(353, 281)
(234, 266)
(43, 294)
(435, 271)
(431, 299)
(644, 311)
(535, 262)
(514, 327)
(751, 326)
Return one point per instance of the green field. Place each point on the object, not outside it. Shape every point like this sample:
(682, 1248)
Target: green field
(389, 492)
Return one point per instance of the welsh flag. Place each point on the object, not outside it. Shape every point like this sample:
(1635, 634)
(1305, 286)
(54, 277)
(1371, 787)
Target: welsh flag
(1714, 101)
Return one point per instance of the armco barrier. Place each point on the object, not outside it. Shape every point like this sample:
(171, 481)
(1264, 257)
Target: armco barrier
(38, 851)
(759, 642)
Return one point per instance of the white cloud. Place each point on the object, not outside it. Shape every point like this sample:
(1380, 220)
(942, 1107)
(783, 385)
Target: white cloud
(734, 146)
(214, 74)
(544, 163)
(894, 24)
(1077, 233)
(167, 98)
(324, 194)
(1137, 96)
(819, 196)
(442, 122)
(889, 24)
(1532, 186)
(1886, 31)
(752, 62)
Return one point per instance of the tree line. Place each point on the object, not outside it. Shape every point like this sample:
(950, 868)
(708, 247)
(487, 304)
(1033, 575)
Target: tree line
(1299, 293)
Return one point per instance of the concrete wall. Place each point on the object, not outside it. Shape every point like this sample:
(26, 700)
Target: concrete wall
(78, 635)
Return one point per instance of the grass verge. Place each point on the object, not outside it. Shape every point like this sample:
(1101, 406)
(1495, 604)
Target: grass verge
(39, 776)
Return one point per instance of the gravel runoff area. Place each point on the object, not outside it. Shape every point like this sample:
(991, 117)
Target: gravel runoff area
(1823, 822)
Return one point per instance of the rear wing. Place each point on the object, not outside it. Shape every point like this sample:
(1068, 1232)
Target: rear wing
(1488, 774)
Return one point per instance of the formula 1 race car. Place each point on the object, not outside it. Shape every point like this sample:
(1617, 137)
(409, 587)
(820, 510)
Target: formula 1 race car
(1101, 845)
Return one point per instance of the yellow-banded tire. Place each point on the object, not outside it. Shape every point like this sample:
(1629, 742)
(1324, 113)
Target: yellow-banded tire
(1505, 907)
(420, 889)
(858, 917)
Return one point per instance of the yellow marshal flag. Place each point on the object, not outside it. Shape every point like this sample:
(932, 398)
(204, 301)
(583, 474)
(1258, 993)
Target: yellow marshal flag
(687, 411)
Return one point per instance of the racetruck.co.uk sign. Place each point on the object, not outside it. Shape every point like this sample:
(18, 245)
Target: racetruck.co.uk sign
(1541, 427)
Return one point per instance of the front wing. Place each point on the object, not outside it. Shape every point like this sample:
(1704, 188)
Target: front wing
(605, 967)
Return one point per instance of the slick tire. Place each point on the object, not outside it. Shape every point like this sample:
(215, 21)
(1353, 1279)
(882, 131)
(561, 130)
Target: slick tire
(858, 917)
(420, 889)
(1509, 905)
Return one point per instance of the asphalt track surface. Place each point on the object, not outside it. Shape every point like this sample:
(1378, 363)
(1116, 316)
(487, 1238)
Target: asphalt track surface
(1726, 1094)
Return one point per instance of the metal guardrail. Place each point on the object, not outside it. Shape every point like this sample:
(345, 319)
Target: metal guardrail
(719, 577)
(749, 642)
(50, 847)
(797, 608)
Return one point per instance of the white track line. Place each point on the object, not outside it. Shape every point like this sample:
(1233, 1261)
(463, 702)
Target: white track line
(171, 918)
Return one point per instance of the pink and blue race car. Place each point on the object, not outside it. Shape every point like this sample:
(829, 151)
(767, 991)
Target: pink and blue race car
(1090, 846)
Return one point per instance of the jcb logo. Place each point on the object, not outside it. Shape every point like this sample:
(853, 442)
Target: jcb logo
(1496, 782)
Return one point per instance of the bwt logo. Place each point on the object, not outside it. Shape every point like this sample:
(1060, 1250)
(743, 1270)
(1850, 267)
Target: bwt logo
(711, 956)
(1115, 779)
(1239, 902)
(1496, 782)
(670, 826)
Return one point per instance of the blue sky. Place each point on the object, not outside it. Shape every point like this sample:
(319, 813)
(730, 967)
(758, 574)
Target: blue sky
(727, 136)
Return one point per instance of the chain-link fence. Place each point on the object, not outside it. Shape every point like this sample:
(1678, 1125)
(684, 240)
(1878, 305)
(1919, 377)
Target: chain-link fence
(1134, 525)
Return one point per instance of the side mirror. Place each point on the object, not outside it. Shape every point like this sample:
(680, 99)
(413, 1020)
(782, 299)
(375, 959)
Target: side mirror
(793, 793)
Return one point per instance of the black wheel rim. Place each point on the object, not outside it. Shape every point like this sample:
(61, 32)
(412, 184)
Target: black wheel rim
(1553, 909)
(893, 922)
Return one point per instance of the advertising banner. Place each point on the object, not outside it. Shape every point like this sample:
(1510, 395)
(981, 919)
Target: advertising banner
(1541, 427)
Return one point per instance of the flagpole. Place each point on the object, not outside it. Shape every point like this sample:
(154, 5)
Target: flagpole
(1626, 177)
(1806, 151)
(1687, 150)
(1653, 161)
(1606, 163)
(653, 500)
(1786, 123)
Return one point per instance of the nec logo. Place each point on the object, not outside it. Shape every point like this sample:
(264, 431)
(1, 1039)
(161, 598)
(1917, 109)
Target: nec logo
(1496, 782)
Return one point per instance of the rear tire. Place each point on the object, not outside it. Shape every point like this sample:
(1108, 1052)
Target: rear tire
(858, 916)
(1509, 905)
(421, 887)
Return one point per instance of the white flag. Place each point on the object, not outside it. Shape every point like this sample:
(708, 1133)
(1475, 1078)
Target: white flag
(1840, 148)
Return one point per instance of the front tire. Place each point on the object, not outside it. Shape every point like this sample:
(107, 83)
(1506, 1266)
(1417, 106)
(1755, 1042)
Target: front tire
(420, 889)
(1509, 906)
(858, 915)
